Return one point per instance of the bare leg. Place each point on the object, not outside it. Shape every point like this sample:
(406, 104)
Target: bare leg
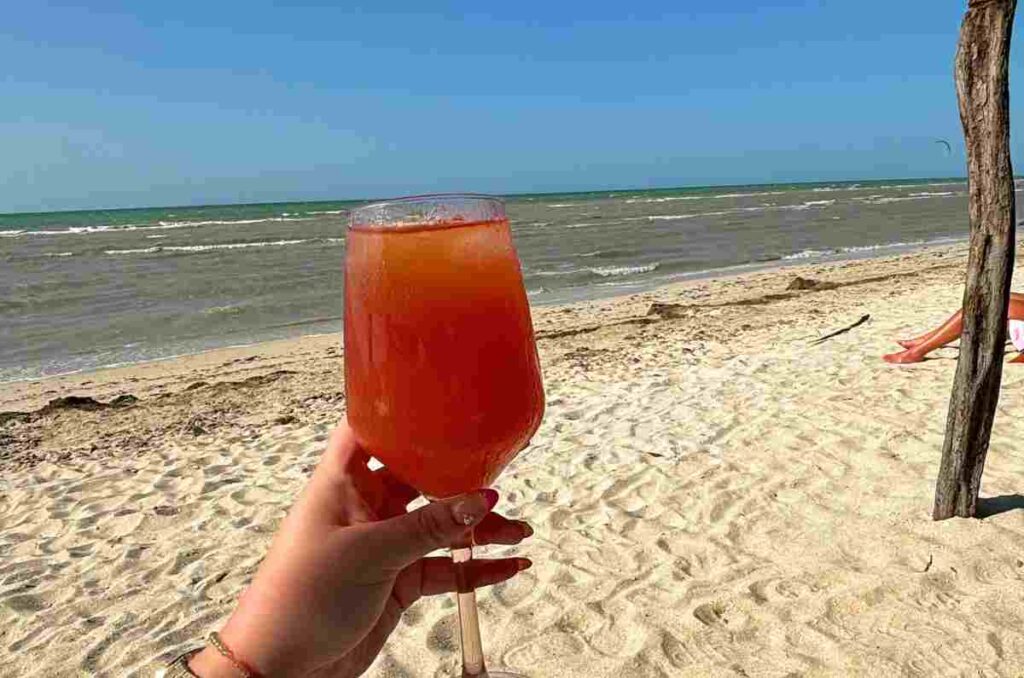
(916, 341)
(911, 343)
(947, 333)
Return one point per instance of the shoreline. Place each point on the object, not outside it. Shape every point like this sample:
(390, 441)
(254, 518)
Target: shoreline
(103, 289)
(799, 259)
(588, 294)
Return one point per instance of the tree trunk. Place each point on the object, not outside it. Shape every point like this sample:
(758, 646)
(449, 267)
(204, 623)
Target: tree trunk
(982, 62)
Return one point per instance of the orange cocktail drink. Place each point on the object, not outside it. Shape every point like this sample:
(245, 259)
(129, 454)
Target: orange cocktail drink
(442, 377)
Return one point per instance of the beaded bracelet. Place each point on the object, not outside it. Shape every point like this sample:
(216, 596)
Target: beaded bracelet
(243, 668)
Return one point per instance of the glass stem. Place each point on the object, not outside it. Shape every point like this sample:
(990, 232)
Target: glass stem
(469, 621)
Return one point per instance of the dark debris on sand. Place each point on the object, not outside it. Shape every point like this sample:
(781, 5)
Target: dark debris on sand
(75, 428)
(798, 283)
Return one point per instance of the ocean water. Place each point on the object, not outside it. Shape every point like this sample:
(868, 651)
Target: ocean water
(79, 290)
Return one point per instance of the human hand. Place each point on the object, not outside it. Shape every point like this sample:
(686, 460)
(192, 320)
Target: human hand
(346, 562)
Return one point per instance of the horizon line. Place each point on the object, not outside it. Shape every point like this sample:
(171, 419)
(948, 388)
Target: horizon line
(499, 195)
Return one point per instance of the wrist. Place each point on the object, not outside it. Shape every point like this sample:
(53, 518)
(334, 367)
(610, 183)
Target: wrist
(221, 658)
(209, 663)
(257, 639)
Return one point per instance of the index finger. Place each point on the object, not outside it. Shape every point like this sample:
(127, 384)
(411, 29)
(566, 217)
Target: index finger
(497, 529)
(343, 456)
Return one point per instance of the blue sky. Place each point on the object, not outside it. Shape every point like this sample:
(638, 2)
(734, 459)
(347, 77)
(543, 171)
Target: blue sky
(116, 104)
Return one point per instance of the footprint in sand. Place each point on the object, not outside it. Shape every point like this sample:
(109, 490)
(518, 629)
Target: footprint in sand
(769, 590)
(515, 591)
(443, 636)
(710, 614)
(550, 646)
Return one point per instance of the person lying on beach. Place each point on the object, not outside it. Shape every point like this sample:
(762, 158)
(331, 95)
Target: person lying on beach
(949, 331)
(343, 566)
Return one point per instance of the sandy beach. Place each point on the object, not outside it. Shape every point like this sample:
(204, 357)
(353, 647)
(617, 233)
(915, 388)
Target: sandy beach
(713, 493)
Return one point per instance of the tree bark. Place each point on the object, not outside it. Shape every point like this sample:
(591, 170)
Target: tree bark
(982, 64)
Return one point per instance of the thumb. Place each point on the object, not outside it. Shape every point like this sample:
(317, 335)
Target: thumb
(404, 539)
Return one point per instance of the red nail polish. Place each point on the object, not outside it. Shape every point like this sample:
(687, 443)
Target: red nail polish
(491, 497)
(523, 564)
(527, 530)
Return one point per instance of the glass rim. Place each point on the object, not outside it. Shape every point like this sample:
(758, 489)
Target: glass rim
(381, 206)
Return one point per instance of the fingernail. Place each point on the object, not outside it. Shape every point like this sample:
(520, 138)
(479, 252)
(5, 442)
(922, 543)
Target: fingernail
(491, 497)
(468, 511)
(523, 564)
(527, 530)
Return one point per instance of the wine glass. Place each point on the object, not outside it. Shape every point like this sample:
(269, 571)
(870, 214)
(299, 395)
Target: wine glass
(442, 378)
